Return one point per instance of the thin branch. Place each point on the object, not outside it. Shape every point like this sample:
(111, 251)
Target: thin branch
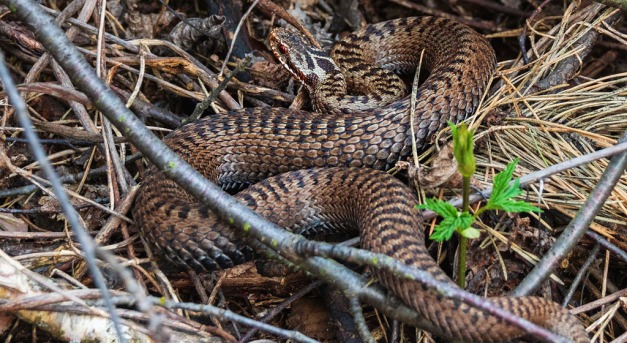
(71, 178)
(228, 315)
(582, 272)
(577, 227)
(72, 216)
(523, 33)
(280, 307)
(203, 105)
(600, 302)
(607, 245)
(358, 315)
(566, 68)
(239, 26)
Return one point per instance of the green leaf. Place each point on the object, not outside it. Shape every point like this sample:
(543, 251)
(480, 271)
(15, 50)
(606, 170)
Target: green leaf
(447, 226)
(444, 230)
(464, 220)
(503, 192)
(518, 206)
(452, 219)
(443, 208)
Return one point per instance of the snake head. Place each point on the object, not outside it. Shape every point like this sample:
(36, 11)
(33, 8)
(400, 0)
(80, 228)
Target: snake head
(308, 64)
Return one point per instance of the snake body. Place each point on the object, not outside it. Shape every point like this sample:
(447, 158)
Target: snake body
(328, 164)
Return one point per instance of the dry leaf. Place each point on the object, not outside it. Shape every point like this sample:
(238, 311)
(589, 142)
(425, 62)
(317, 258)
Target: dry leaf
(9, 222)
(443, 171)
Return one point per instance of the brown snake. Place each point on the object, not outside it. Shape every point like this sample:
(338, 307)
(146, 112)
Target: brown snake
(243, 147)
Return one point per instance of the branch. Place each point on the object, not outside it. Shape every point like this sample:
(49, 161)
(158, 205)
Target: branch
(72, 216)
(577, 227)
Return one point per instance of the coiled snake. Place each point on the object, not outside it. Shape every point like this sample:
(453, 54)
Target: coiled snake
(330, 163)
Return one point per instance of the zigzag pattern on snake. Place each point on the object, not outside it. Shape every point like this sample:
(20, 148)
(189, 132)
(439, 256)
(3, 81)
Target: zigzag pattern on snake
(328, 162)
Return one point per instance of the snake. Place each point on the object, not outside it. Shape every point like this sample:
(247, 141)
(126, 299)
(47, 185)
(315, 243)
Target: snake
(321, 171)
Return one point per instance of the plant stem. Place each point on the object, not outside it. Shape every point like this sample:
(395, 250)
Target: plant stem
(461, 252)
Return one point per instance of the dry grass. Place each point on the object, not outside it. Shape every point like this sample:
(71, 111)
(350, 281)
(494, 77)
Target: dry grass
(555, 125)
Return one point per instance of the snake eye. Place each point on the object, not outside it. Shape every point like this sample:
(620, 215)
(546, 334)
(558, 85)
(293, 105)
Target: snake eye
(283, 49)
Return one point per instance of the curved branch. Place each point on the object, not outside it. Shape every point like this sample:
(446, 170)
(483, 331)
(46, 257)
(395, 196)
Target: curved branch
(577, 227)
(72, 216)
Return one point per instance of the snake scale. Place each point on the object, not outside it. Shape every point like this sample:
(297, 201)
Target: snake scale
(316, 171)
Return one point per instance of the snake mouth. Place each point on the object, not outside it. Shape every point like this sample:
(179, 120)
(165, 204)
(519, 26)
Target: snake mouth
(286, 63)
(281, 52)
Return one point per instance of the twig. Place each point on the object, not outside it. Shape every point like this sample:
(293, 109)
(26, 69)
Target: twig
(72, 216)
(90, 29)
(358, 315)
(62, 17)
(523, 33)
(70, 132)
(607, 245)
(70, 143)
(71, 178)
(38, 210)
(239, 26)
(203, 105)
(582, 271)
(228, 315)
(37, 235)
(621, 339)
(283, 305)
(144, 108)
(140, 77)
(577, 227)
(567, 67)
(600, 302)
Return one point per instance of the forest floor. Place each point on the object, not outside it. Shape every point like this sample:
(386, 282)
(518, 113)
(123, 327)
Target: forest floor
(566, 105)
